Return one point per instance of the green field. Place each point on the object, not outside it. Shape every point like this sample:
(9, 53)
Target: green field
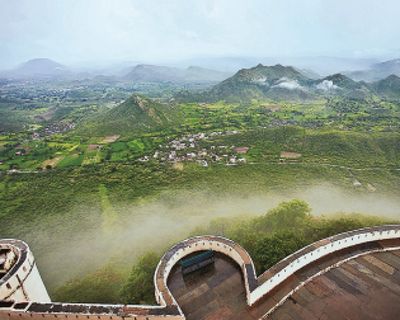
(90, 200)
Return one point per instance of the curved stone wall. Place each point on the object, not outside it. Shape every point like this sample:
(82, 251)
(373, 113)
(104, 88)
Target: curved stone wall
(189, 246)
(317, 250)
(256, 288)
(33, 302)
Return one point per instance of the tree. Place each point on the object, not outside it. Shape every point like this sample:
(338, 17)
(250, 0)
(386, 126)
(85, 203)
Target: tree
(287, 216)
(101, 286)
(271, 249)
(139, 288)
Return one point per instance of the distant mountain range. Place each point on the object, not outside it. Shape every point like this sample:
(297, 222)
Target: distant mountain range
(322, 65)
(43, 68)
(205, 70)
(287, 83)
(260, 82)
(377, 71)
(152, 73)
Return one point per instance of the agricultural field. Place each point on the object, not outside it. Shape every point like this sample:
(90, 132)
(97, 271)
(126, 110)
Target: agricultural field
(88, 175)
(320, 121)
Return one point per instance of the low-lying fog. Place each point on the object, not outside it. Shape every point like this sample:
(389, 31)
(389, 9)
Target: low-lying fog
(157, 224)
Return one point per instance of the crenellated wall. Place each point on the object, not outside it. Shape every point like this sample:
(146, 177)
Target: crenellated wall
(24, 296)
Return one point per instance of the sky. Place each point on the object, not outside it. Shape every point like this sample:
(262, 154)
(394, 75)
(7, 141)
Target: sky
(108, 31)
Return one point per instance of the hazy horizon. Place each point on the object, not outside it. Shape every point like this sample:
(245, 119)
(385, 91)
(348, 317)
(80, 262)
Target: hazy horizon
(102, 32)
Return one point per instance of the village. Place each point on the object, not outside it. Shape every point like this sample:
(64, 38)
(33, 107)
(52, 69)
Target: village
(198, 148)
(53, 128)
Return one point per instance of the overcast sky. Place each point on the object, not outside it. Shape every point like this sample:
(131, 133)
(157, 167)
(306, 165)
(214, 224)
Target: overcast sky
(79, 31)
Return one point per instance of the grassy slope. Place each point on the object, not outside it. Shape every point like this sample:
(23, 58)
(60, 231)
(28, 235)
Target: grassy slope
(136, 115)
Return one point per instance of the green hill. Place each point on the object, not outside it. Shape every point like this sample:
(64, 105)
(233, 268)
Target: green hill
(389, 87)
(343, 82)
(136, 114)
(285, 83)
(341, 85)
(276, 82)
(279, 83)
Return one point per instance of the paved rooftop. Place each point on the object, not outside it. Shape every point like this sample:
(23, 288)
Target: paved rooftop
(367, 287)
(217, 292)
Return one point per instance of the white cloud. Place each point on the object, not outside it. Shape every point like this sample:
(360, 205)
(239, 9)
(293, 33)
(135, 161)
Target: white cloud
(261, 81)
(288, 84)
(327, 85)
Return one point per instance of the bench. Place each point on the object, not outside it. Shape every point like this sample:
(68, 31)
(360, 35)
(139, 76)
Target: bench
(197, 262)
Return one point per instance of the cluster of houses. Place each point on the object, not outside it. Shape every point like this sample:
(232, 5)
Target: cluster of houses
(191, 148)
(53, 128)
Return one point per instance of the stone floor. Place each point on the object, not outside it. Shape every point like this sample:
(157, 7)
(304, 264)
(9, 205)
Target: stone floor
(367, 287)
(217, 292)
